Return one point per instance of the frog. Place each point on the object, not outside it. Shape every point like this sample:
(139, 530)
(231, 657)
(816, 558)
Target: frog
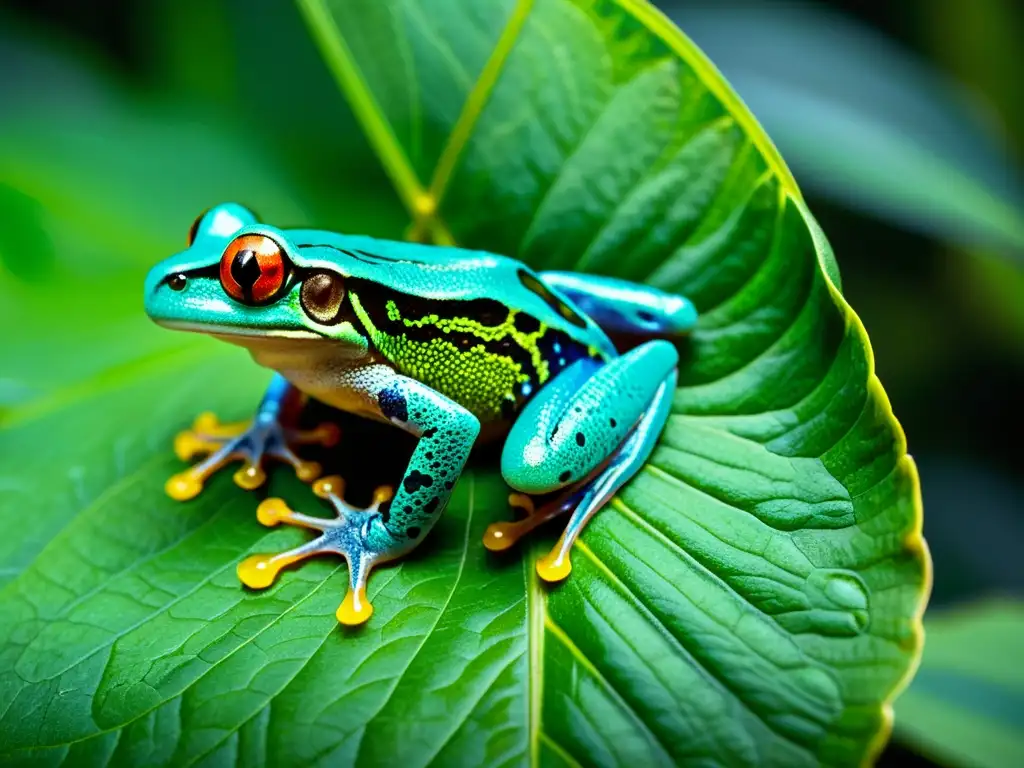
(455, 346)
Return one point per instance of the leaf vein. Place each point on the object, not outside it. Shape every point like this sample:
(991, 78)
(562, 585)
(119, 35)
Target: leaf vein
(440, 613)
(616, 696)
(718, 680)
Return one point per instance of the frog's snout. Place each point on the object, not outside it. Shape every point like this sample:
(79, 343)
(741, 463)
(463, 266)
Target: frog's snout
(167, 293)
(157, 283)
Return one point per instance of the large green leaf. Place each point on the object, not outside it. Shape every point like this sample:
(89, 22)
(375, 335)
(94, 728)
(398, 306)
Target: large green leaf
(752, 597)
(966, 704)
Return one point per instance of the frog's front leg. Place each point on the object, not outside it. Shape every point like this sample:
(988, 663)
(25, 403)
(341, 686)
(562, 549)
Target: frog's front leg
(270, 433)
(390, 527)
(588, 432)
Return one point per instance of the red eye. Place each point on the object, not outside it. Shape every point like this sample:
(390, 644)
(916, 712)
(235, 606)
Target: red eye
(252, 269)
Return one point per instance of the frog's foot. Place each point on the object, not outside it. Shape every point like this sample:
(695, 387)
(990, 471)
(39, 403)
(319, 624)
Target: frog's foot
(556, 565)
(248, 442)
(501, 536)
(344, 534)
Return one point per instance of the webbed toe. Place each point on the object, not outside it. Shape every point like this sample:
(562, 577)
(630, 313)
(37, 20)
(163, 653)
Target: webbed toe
(343, 534)
(249, 442)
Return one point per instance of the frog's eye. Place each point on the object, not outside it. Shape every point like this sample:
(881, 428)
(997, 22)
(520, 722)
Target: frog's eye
(252, 269)
(194, 229)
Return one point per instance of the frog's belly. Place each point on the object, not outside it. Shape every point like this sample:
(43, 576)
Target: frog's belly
(351, 402)
(335, 374)
(346, 388)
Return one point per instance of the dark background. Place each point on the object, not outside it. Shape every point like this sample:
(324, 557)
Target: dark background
(946, 321)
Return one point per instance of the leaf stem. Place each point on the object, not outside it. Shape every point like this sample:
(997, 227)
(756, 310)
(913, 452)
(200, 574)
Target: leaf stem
(477, 99)
(366, 108)
(536, 610)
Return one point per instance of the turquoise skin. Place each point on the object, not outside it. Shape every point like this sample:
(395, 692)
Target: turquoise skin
(453, 346)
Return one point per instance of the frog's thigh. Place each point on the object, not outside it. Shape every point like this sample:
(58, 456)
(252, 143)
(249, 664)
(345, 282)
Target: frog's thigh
(581, 417)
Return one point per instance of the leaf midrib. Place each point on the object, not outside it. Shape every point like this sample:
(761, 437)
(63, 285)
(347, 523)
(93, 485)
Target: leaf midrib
(427, 635)
(536, 610)
(477, 100)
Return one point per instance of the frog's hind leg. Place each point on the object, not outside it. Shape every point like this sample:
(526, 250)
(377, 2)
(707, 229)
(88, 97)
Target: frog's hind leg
(270, 433)
(620, 306)
(556, 565)
(586, 433)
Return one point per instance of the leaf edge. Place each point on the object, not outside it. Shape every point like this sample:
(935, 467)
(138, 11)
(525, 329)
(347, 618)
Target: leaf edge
(659, 25)
(914, 543)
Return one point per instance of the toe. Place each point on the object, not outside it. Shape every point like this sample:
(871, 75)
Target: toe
(206, 422)
(250, 476)
(207, 425)
(521, 501)
(308, 471)
(554, 566)
(188, 445)
(270, 512)
(257, 571)
(501, 536)
(330, 434)
(183, 486)
(382, 494)
(331, 486)
(355, 609)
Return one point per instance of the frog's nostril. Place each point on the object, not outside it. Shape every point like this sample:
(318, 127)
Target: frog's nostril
(177, 282)
(245, 268)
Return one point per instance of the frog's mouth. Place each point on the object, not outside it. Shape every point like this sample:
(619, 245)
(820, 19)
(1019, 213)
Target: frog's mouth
(265, 340)
(242, 335)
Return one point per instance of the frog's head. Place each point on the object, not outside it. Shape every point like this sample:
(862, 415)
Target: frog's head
(244, 282)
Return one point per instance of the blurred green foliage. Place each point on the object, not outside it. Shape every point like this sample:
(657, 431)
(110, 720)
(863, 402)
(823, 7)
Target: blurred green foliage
(966, 706)
(863, 122)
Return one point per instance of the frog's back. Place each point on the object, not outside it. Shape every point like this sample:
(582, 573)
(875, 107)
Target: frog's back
(481, 328)
(448, 274)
